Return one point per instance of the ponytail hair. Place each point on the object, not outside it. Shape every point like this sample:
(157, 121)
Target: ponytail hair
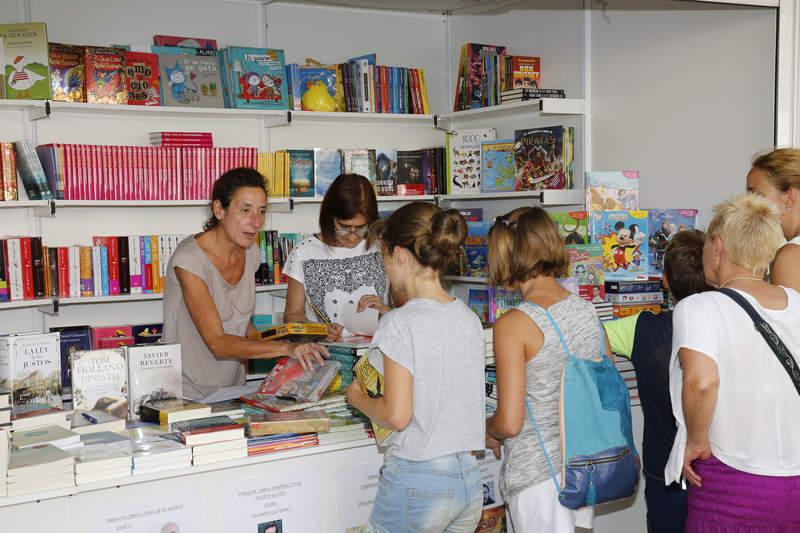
(432, 235)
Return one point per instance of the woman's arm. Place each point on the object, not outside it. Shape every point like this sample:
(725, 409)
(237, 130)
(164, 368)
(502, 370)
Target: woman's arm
(699, 398)
(786, 267)
(295, 310)
(395, 408)
(509, 356)
(206, 318)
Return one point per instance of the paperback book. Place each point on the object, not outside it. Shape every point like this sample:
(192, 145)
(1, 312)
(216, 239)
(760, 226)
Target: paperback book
(612, 190)
(67, 72)
(301, 173)
(371, 382)
(497, 166)
(543, 158)
(464, 159)
(572, 226)
(25, 61)
(664, 224)
(386, 171)
(100, 381)
(623, 238)
(154, 373)
(259, 78)
(30, 367)
(327, 167)
(190, 80)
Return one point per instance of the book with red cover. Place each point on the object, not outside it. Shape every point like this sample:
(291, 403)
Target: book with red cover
(200, 43)
(27, 268)
(63, 271)
(142, 79)
(105, 75)
(110, 332)
(113, 261)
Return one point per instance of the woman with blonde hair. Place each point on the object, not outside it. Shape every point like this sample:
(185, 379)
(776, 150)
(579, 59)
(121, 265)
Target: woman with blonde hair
(776, 177)
(737, 407)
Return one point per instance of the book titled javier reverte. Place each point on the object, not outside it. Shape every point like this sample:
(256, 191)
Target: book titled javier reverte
(154, 373)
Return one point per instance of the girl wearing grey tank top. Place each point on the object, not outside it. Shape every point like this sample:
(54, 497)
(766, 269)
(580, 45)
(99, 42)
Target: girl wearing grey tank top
(527, 253)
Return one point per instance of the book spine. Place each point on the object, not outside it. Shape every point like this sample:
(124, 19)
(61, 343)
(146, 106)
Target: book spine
(97, 271)
(27, 268)
(104, 270)
(156, 263)
(134, 248)
(63, 272)
(74, 271)
(148, 263)
(4, 292)
(113, 266)
(37, 267)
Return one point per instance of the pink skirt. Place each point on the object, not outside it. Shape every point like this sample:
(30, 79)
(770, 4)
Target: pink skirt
(731, 501)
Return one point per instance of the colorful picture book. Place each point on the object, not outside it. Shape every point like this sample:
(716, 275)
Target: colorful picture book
(464, 159)
(190, 80)
(372, 384)
(105, 75)
(257, 77)
(572, 226)
(67, 72)
(497, 166)
(612, 190)
(25, 61)
(476, 250)
(478, 301)
(502, 300)
(544, 158)
(301, 173)
(586, 266)
(664, 223)
(623, 236)
(142, 78)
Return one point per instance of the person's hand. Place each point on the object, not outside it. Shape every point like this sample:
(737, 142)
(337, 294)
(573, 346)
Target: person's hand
(307, 353)
(372, 301)
(334, 332)
(494, 445)
(353, 391)
(694, 451)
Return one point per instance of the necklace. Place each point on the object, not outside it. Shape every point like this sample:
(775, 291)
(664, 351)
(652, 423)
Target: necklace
(734, 278)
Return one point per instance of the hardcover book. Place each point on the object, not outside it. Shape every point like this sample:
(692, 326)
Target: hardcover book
(360, 161)
(572, 226)
(154, 373)
(543, 158)
(72, 339)
(190, 80)
(301, 173)
(312, 421)
(100, 381)
(188, 42)
(327, 167)
(409, 173)
(105, 76)
(586, 266)
(623, 237)
(30, 367)
(25, 61)
(612, 190)
(142, 79)
(497, 166)
(664, 224)
(67, 72)
(464, 159)
(372, 384)
(476, 250)
(293, 332)
(386, 171)
(174, 410)
(259, 76)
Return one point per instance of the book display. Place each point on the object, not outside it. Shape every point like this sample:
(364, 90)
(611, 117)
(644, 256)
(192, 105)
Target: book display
(114, 128)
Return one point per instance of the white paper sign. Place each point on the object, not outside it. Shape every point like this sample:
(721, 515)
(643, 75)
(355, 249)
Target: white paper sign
(281, 503)
(167, 512)
(490, 476)
(357, 487)
(360, 323)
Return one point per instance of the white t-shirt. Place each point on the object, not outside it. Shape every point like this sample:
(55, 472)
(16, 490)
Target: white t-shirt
(756, 423)
(442, 346)
(796, 241)
(336, 277)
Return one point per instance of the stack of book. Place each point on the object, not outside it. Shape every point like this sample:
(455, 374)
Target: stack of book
(277, 443)
(166, 412)
(54, 435)
(521, 95)
(181, 138)
(99, 462)
(36, 415)
(212, 439)
(152, 454)
(39, 468)
(632, 297)
(84, 422)
(5, 408)
(347, 351)
(311, 421)
(628, 373)
(604, 310)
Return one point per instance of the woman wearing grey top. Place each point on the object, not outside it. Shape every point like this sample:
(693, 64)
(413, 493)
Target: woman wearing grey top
(209, 296)
(526, 252)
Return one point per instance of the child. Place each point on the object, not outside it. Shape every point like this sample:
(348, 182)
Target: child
(527, 253)
(646, 339)
(431, 353)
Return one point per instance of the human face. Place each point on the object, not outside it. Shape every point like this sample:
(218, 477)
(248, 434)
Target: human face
(245, 215)
(351, 231)
(758, 183)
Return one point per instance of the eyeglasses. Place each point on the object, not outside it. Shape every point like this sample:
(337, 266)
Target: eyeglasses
(344, 230)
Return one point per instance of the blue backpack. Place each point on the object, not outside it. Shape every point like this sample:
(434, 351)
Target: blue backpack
(599, 460)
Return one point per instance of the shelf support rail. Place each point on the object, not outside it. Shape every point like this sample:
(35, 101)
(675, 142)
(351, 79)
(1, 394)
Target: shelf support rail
(437, 125)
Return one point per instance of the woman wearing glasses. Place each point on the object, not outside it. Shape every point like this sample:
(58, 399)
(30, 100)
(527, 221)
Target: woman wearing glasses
(337, 272)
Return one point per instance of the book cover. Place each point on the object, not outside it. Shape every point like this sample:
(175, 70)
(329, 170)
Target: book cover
(371, 382)
(501, 300)
(293, 332)
(572, 226)
(154, 373)
(477, 72)
(409, 173)
(476, 250)
(525, 72)
(190, 80)
(25, 61)
(100, 381)
(142, 79)
(663, 224)
(497, 166)
(472, 214)
(30, 367)
(110, 332)
(288, 380)
(623, 237)
(71, 340)
(318, 88)
(147, 333)
(386, 171)
(312, 421)
(464, 159)
(171, 410)
(612, 190)
(327, 167)
(301, 173)
(259, 76)
(360, 161)
(188, 42)
(105, 75)
(67, 72)
(478, 301)
(540, 158)
(586, 266)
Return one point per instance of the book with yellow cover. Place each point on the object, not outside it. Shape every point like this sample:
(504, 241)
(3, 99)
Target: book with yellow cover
(293, 332)
(371, 382)
(312, 421)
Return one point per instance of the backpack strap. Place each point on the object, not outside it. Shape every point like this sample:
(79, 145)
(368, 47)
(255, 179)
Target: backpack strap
(780, 350)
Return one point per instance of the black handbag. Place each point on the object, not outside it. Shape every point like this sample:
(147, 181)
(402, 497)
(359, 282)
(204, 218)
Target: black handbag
(762, 326)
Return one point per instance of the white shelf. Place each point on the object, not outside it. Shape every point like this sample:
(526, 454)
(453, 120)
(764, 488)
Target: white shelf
(466, 279)
(23, 204)
(21, 304)
(547, 197)
(140, 203)
(418, 198)
(360, 118)
(119, 298)
(543, 106)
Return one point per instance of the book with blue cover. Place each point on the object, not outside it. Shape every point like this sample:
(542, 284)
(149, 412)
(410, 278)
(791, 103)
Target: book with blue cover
(72, 339)
(623, 238)
(327, 167)
(664, 224)
(612, 190)
(301, 173)
(497, 166)
(476, 249)
(258, 78)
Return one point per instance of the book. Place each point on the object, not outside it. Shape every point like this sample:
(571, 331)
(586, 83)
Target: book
(586, 266)
(371, 382)
(327, 167)
(71, 339)
(100, 381)
(110, 333)
(67, 72)
(146, 333)
(105, 75)
(258, 78)
(174, 410)
(409, 173)
(464, 159)
(497, 166)
(190, 80)
(301, 173)
(360, 161)
(612, 190)
(524, 72)
(543, 158)
(312, 421)
(664, 224)
(573, 226)
(142, 78)
(30, 367)
(188, 42)
(206, 430)
(386, 171)
(31, 173)
(623, 238)
(502, 300)
(38, 459)
(476, 250)
(95, 421)
(317, 87)
(478, 301)
(288, 380)
(293, 332)
(25, 61)
(55, 435)
(154, 373)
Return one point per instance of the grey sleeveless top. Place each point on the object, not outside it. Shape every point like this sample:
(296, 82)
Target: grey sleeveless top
(524, 463)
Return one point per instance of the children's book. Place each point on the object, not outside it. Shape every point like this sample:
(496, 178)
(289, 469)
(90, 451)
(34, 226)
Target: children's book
(67, 72)
(154, 373)
(386, 171)
(586, 266)
(623, 236)
(100, 381)
(612, 190)
(543, 158)
(317, 87)
(371, 382)
(301, 173)
(502, 300)
(190, 81)
(476, 72)
(464, 159)
(142, 78)
(327, 167)
(25, 61)
(478, 301)
(663, 224)
(572, 226)
(259, 78)
(187, 42)
(472, 214)
(476, 250)
(359, 161)
(525, 72)
(497, 166)
(105, 75)
(409, 173)
(288, 380)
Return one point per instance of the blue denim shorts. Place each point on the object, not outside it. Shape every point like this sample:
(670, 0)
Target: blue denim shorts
(442, 494)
